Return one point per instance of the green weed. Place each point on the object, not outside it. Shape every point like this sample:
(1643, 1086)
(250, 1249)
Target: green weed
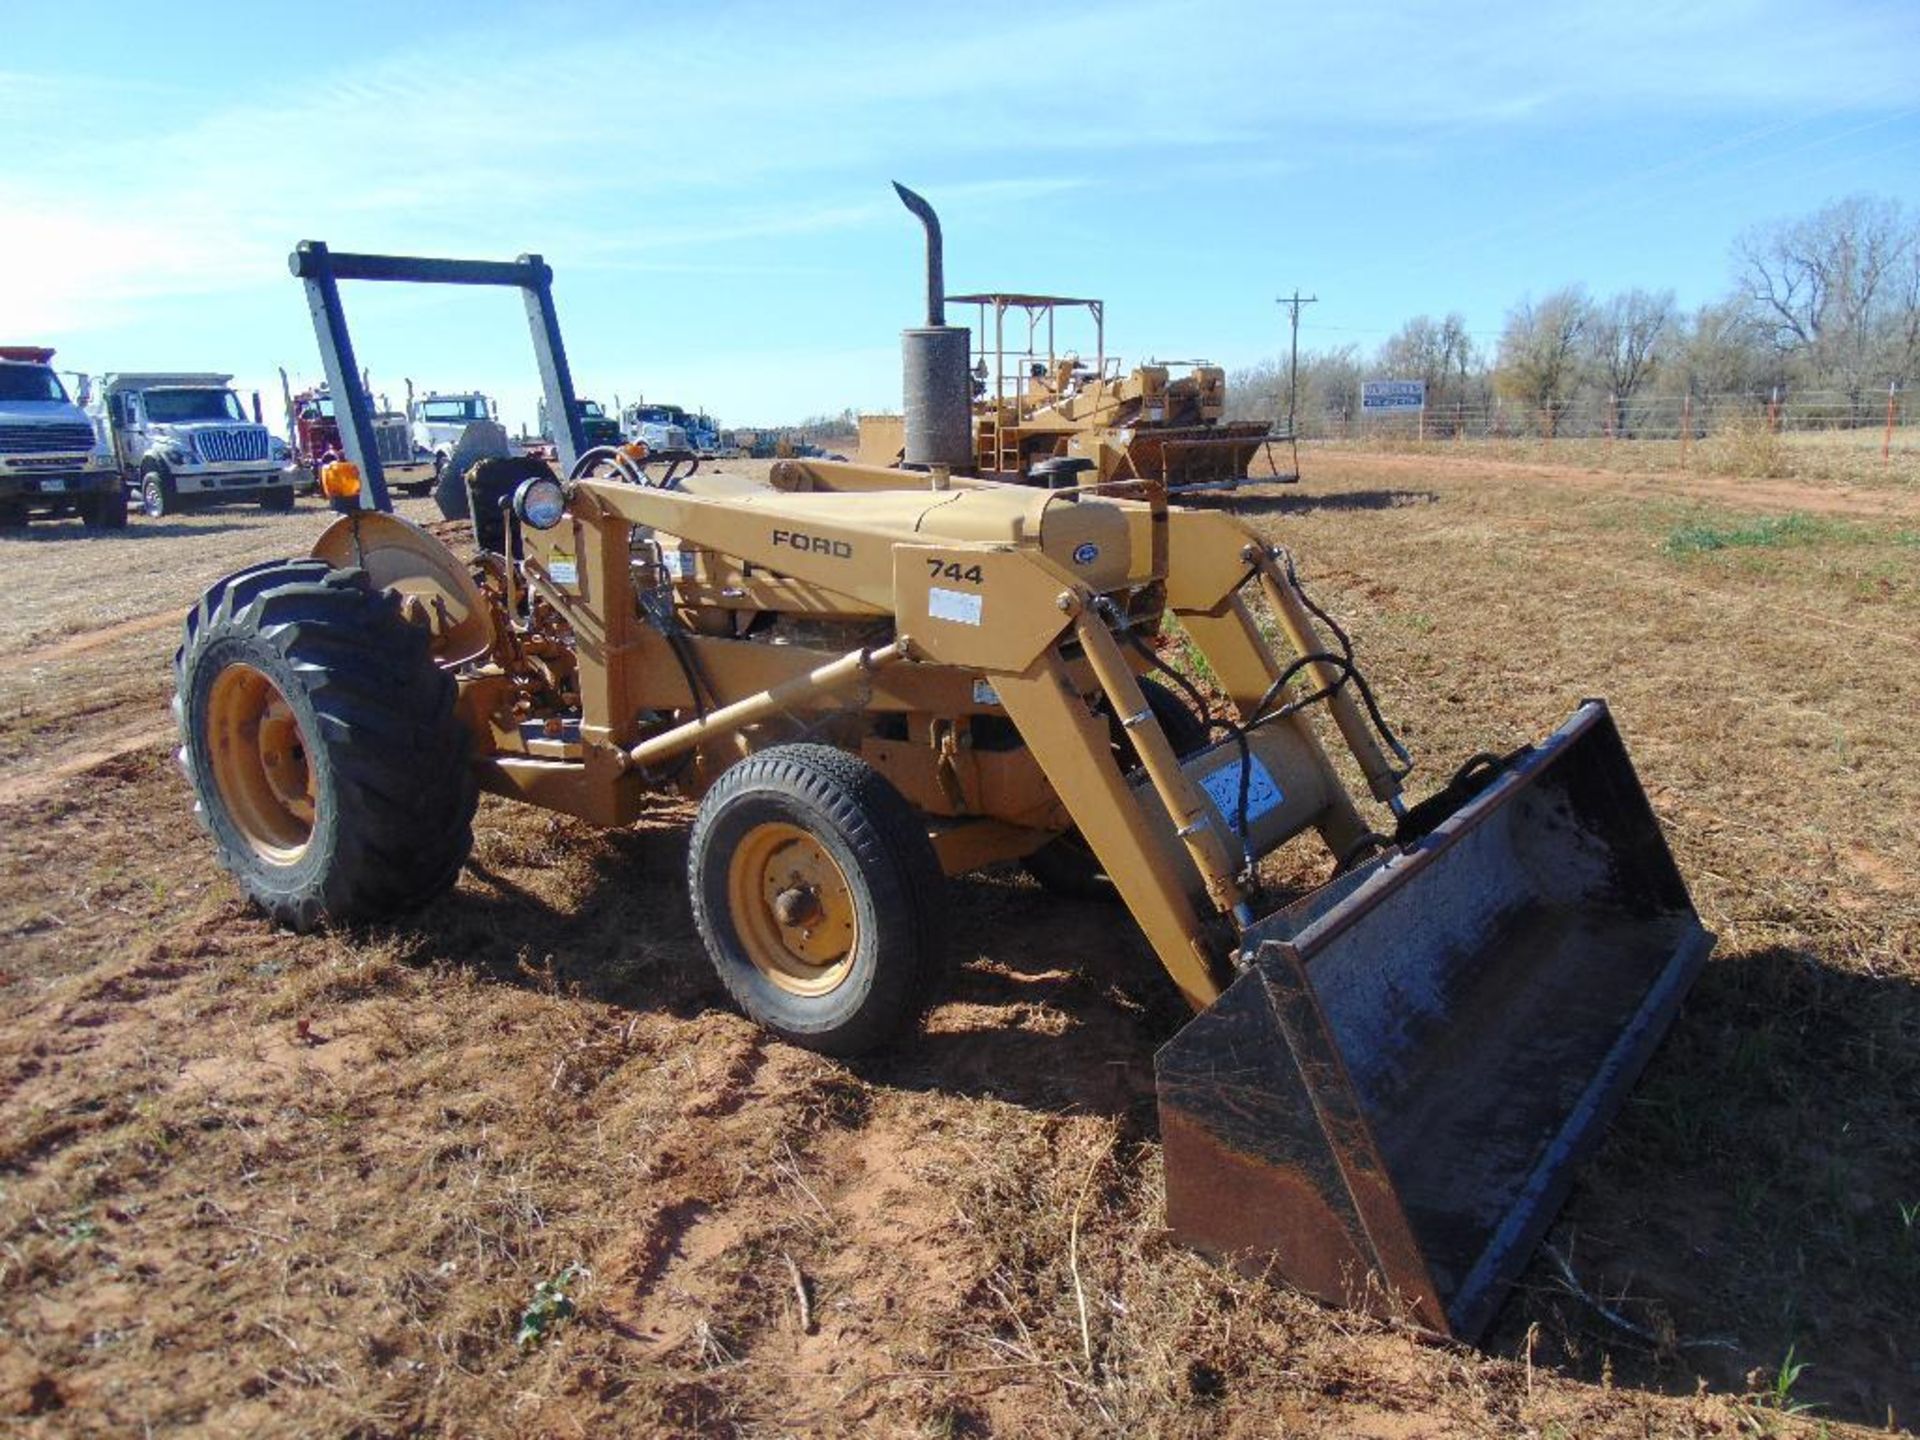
(1779, 1395)
(550, 1309)
(1768, 532)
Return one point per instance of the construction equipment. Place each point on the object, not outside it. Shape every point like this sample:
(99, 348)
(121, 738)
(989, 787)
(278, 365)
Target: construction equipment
(869, 678)
(1019, 405)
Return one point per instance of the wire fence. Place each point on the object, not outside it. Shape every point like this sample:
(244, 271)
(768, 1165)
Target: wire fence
(1868, 419)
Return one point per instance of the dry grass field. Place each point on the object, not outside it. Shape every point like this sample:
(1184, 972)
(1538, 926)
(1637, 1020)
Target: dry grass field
(512, 1168)
(1750, 449)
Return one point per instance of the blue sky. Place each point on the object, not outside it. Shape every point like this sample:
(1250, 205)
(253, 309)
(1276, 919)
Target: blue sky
(710, 181)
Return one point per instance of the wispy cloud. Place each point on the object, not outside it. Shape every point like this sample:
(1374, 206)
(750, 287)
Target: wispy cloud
(750, 139)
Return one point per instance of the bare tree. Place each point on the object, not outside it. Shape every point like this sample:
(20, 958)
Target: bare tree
(1539, 358)
(1906, 319)
(1626, 336)
(1827, 289)
(1440, 352)
(1721, 350)
(1329, 383)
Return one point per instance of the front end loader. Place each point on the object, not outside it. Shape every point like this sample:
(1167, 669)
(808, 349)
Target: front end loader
(871, 678)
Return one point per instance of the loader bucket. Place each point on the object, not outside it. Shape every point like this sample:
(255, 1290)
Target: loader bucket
(1386, 1108)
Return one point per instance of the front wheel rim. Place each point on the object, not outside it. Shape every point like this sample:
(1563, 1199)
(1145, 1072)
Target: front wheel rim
(793, 909)
(261, 763)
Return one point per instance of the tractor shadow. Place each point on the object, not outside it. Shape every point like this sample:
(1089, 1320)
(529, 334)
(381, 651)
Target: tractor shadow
(1046, 1002)
(1049, 1002)
(1756, 1192)
(552, 905)
(50, 532)
(1305, 502)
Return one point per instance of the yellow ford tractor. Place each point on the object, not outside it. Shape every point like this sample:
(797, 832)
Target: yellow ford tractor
(873, 678)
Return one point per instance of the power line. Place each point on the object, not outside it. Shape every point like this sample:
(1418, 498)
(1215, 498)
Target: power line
(1294, 302)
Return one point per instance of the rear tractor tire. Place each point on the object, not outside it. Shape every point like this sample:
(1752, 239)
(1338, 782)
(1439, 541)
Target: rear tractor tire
(322, 746)
(819, 897)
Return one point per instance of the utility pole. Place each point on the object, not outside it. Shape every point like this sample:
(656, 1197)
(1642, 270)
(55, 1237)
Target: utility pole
(1294, 302)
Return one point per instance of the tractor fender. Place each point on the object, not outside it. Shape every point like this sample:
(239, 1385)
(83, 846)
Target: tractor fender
(399, 556)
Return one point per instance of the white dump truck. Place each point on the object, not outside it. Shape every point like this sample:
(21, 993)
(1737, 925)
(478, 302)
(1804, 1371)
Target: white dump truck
(184, 440)
(52, 462)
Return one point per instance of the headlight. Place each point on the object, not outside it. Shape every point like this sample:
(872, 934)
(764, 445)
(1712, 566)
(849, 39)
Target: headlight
(540, 502)
(276, 448)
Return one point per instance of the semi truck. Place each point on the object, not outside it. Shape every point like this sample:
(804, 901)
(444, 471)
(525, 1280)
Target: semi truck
(596, 425)
(658, 427)
(182, 440)
(52, 462)
(440, 420)
(313, 430)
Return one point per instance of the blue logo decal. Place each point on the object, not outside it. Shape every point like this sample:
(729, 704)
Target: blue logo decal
(1086, 554)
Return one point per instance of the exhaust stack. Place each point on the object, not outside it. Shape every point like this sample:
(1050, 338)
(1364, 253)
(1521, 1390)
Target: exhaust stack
(937, 387)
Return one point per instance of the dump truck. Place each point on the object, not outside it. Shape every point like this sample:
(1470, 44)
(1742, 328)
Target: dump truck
(52, 462)
(869, 679)
(183, 440)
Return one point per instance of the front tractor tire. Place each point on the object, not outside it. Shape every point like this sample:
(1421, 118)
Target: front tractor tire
(819, 897)
(322, 745)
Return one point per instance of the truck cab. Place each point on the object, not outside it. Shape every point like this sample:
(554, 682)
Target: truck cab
(314, 428)
(598, 427)
(184, 440)
(658, 427)
(440, 420)
(704, 431)
(52, 462)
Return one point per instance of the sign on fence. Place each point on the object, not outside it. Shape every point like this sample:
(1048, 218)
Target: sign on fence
(1392, 397)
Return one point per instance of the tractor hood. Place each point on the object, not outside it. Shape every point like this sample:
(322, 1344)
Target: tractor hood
(1088, 538)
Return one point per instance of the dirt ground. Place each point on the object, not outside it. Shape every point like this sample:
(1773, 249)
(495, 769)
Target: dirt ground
(252, 1183)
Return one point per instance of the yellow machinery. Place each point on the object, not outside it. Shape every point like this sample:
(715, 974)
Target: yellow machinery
(869, 678)
(1010, 403)
(1038, 405)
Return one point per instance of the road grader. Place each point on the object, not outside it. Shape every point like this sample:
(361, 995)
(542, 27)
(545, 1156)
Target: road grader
(871, 679)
